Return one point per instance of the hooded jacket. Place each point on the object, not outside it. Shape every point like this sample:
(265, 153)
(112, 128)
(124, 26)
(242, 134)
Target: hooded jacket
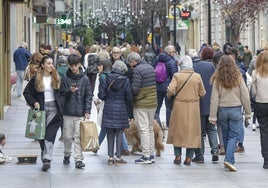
(171, 68)
(115, 90)
(79, 102)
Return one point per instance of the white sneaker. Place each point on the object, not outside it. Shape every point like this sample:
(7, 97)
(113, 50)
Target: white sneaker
(254, 127)
(8, 159)
(230, 166)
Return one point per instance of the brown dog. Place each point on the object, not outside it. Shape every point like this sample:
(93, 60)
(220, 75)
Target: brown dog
(133, 138)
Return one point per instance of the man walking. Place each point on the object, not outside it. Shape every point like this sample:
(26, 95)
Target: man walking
(206, 70)
(168, 58)
(21, 58)
(144, 104)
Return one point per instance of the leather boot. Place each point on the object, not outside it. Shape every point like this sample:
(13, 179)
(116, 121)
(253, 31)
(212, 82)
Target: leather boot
(187, 161)
(177, 160)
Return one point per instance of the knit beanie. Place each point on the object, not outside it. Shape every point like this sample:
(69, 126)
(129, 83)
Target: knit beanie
(62, 60)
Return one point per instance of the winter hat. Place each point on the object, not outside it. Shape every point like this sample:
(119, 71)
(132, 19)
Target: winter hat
(62, 60)
(120, 65)
(186, 62)
(207, 53)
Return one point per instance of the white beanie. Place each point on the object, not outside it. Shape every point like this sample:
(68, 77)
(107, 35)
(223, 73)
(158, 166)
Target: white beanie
(186, 62)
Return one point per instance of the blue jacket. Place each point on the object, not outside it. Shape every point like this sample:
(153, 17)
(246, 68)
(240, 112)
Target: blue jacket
(171, 67)
(206, 70)
(117, 99)
(21, 58)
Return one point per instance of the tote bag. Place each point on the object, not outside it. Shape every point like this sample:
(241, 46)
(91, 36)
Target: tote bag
(36, 124)
(89, 139)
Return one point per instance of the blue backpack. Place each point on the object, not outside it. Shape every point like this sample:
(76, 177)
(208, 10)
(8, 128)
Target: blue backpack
(161, 72)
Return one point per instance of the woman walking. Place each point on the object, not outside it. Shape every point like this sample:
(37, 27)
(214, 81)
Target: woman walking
(43, 92)
(259, 92)
(116, 92)
(229, 94)
(185, 126)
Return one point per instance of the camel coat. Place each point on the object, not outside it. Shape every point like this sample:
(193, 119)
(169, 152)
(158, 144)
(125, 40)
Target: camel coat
(184, 126)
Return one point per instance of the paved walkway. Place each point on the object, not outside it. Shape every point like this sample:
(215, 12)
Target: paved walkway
(98, 174)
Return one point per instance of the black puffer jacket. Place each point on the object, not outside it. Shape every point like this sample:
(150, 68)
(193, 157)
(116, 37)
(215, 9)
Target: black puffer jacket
(79, 102)
(117, 100)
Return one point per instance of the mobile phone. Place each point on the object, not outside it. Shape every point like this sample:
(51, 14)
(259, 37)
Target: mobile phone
(74, 85)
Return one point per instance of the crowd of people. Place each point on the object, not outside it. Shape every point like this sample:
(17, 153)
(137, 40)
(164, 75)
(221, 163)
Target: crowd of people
(215, 93)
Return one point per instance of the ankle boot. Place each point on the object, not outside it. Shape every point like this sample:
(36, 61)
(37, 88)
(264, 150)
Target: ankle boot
(187, 161)
(265, 164)
(177, 159)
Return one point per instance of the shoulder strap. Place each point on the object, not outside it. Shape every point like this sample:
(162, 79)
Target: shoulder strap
(110, 85)
(184, 84)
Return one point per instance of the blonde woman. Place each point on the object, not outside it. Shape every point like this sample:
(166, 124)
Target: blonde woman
(43, 92)
(259, 91)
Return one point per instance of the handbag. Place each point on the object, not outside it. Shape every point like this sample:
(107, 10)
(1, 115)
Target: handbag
(36, 124)
(171, 100)
(89, 139)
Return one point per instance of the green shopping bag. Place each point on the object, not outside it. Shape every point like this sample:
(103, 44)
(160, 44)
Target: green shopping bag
(36, 124)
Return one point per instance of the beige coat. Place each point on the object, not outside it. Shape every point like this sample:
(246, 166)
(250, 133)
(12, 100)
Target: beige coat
(184, 126)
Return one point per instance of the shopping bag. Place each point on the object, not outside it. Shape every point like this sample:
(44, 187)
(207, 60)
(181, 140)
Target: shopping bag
(36, 126)
(89, 136)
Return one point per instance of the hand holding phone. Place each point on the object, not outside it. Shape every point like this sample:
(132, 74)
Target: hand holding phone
(74, 85)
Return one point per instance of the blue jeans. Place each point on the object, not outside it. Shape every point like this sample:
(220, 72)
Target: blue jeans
(231, 121)
(160, 97)
(241, 135)
(103, 133)
(189, 152)
(209, 130)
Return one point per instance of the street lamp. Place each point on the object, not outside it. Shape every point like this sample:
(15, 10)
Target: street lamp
(209, 23)
(152, 27)
(175, 21)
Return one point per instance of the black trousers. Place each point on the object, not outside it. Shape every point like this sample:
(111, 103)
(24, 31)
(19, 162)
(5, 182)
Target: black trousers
(261, 110)
(113, 134)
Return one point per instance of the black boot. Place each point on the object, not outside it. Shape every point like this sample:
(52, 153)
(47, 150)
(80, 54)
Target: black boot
(265, 164)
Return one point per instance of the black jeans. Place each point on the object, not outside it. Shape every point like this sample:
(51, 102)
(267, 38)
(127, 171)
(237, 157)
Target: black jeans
(160, 97)
(210, 130)
(261, 110)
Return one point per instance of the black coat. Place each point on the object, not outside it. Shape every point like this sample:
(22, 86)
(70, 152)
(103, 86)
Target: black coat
(79, 102)
(32, 96)
(117, 100)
